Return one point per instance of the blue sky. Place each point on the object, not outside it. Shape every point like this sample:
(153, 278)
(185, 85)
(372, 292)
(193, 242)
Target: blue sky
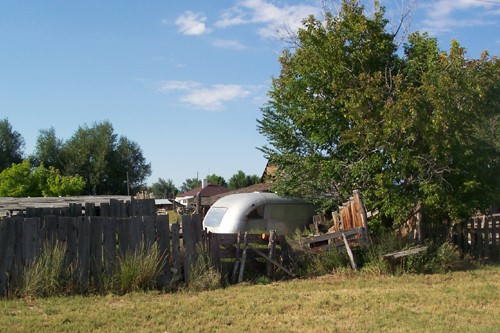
(184, 79)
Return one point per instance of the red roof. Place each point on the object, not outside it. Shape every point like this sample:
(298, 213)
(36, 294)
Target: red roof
(207, 191)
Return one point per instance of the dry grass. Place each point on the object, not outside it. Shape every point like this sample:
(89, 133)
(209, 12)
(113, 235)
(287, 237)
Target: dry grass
(453, 302)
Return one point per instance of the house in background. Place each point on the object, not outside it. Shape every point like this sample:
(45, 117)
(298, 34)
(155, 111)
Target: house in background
(190, 198)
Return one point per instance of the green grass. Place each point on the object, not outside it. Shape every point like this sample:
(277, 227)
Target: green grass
(466, 301)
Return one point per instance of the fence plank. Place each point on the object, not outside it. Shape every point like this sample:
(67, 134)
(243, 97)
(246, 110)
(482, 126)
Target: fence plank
(123, 231)
(83, 226)
(271, 250)
(135, 233)
(71, 240)
(96, 250)
(189, 242)
(109, 244)
(149, 231)
(31, 239)
(163, 239)
(176, 252)
(7, 243)
(494, 235)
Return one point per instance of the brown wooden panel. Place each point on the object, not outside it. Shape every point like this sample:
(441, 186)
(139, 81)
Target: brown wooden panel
(109, 244)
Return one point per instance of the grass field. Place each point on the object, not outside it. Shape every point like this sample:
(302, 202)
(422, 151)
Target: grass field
(455, 302)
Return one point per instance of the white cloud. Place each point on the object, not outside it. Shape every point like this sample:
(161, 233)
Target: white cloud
(213, 98)
(191, 23)
(168, 86)
(447, 15)
(264, 12)
(229, 44)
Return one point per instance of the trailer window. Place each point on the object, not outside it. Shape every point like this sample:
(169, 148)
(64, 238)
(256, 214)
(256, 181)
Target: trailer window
(256, 213)
(214, 216)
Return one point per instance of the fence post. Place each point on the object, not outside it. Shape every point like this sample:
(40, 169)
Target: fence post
(176, 252)
(163, 239)
(272, 248)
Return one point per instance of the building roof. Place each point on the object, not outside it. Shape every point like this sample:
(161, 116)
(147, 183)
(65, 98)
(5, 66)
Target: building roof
(162, 202)
(207, 191)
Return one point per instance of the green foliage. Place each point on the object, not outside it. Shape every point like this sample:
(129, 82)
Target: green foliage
(46, 275)
(164, 188)
(190, 184)
(104, 160)
(215, 179)
(48, 150)
(324, 262)
(347, 112)
(21, 180)
(439, 258)
(240, 180)
(138, 270)
(203, 275)
(11, 145)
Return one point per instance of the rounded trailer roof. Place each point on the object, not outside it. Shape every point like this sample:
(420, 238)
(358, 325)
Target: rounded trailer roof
(255, 198)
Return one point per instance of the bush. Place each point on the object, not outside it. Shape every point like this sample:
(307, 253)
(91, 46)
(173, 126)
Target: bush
(439, 258)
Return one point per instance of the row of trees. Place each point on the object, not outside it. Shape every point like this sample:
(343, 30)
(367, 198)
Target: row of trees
(167, 189)
(412, 128)
(94, 161)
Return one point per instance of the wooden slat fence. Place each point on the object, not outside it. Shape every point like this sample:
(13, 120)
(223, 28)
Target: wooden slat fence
(93, 244)
(479, 237)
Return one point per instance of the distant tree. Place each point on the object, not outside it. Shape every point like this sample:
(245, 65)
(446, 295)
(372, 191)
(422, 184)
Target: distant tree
(11, 145)
(218, 180)
(190, 184)
(21, 180)
(240, 180)
(164, 188)
(104, 160)
(48, 150)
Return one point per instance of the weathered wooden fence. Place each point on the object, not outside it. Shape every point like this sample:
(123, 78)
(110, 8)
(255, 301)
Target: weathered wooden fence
(93, 244)
(479, 237)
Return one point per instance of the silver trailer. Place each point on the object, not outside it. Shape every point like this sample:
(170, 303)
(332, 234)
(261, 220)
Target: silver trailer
(259, 212)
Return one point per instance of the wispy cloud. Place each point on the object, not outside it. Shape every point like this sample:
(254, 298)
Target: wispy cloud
(168, 86)
(229, 44)
(190, 23)
(270, 15)
(210, 98)
(446, 15)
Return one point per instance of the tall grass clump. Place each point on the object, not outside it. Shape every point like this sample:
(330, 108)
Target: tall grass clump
(324, 262)
(138, 270)
(203, 275)
(45, 275)
(371, 254)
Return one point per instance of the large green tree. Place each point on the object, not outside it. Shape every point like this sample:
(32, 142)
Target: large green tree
(109, 164)
(347, 112)
(11, 145)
